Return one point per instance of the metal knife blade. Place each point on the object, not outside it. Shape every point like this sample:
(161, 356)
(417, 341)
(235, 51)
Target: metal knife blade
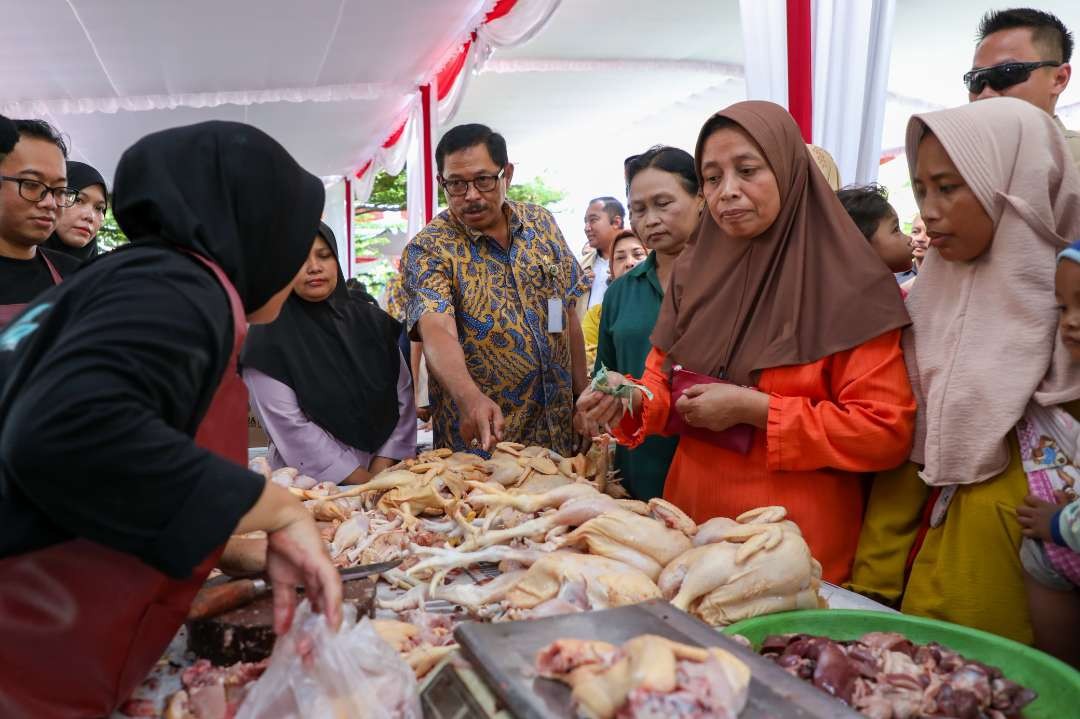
(367, 570)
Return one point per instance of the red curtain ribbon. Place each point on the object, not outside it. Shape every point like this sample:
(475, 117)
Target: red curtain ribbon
(800, 66)
(501, 8)
(427, 107)
(394, 136)
(446, 76)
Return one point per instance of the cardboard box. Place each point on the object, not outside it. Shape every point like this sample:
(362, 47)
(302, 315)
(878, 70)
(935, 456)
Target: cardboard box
(256, 434)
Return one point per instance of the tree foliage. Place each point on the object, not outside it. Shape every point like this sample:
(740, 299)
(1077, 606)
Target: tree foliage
(110, 236)
(388, 192)
(537, 192)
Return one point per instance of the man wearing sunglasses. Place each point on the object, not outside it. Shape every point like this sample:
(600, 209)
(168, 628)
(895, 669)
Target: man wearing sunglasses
(33, 193)
(1023, 53)
(491, 291)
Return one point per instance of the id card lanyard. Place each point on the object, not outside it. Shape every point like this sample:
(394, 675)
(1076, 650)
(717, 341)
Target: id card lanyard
(554, 304)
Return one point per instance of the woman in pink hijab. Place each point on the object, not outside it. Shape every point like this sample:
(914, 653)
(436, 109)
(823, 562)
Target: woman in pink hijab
(1000, 196)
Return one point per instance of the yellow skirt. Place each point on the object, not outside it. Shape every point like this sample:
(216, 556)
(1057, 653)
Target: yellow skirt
(968, 569)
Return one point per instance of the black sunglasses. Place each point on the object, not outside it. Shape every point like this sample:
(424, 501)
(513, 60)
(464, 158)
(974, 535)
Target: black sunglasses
(1003, 76)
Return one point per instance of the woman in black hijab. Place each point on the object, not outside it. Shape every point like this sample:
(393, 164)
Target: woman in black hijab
(328, 380)
(122, 423)
(78, 226)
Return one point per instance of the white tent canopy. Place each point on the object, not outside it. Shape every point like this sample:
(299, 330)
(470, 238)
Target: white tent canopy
(604, 80)
(328, 78)
(332, 79)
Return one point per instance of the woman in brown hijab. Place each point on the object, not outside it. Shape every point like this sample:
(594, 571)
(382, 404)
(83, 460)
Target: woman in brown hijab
(815, 385)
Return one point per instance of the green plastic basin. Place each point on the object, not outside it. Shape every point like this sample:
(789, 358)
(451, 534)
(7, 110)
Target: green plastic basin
(1057, 684)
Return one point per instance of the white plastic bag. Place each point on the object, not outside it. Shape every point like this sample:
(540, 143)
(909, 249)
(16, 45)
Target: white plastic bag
(317, 674)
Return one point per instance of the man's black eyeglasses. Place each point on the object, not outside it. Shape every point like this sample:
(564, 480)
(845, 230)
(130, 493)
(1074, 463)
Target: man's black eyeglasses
(34, 191)
(482, 183)
(1005, 75)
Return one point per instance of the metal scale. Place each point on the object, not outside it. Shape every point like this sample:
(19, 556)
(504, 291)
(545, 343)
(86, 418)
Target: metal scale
(500, 681)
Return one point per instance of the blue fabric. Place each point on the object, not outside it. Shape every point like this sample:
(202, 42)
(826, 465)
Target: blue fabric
(1072, 252)
(1055, 528)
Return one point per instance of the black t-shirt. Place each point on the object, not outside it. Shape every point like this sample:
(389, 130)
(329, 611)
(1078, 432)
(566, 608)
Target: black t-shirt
(23, 280)
(103, 383)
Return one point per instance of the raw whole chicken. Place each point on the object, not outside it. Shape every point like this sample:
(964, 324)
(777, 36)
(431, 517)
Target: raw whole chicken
(641, 542)
(585, 580)
(751, 568)
(648, 676)
(555, 583)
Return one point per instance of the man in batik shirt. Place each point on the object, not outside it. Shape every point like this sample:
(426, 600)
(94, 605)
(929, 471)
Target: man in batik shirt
(491, 290)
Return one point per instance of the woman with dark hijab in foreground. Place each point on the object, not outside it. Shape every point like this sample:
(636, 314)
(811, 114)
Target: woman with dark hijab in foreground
(123, 438)
(327, 379)
(77, 227)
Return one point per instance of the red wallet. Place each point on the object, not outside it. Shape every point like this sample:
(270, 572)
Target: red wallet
(737, 438)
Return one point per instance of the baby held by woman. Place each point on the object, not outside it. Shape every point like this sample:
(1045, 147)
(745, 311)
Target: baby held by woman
(1050, 517)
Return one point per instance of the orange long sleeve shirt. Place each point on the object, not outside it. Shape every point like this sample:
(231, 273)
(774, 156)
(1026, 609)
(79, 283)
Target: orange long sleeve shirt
(828, 421)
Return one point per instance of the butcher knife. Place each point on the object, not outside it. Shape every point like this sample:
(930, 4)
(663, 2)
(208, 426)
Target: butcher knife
(212, 601)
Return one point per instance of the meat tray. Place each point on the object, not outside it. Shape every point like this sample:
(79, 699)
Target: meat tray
(504, 655)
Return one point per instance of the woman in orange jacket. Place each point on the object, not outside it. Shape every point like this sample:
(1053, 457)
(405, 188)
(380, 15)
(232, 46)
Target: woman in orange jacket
(780, 299)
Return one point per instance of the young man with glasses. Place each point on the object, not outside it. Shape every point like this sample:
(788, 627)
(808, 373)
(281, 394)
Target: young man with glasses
(1023, 53)
(33, 193)
(492, 288)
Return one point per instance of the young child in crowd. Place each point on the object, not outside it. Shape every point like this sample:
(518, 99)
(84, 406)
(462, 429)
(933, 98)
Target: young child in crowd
(1050, 552)
(876, 219)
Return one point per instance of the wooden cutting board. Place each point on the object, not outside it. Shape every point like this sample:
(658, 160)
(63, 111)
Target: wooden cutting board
(246, 634)
(504, 654)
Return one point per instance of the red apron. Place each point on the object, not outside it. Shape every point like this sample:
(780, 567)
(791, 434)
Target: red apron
(81, 625)
(8, 312)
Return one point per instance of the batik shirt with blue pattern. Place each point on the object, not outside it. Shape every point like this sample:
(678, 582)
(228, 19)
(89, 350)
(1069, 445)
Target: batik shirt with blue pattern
(499, 300)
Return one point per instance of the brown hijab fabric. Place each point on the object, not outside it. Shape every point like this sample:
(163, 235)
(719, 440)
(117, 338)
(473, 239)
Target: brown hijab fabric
(808, 287)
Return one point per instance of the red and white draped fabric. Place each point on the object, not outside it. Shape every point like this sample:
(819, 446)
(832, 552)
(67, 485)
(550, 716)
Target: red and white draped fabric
(836, 88)
(765, 48)
(852, 42)
(505, 23)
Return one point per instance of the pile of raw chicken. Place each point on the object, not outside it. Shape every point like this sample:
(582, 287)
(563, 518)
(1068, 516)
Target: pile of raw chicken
(564, 538)
(563, 535)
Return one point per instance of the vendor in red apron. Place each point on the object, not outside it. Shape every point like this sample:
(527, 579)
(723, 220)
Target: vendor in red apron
(33, 193)
(123, 433)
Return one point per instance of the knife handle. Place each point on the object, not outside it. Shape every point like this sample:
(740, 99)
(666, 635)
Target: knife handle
(212, 601)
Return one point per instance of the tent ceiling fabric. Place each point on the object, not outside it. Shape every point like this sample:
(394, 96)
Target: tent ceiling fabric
(575, 127)
(332, 78)
(353, 64)
(604, 80)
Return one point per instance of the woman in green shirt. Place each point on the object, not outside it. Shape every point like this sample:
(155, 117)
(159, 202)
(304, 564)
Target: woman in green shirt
(665, 203)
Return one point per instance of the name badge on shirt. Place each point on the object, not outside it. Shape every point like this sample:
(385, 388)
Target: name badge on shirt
(555, 320)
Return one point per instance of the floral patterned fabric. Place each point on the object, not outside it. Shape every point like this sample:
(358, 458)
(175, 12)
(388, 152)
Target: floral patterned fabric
(397, 300)
(499, 300)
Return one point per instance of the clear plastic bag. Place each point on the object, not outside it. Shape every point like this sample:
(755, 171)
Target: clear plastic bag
(317, 674)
